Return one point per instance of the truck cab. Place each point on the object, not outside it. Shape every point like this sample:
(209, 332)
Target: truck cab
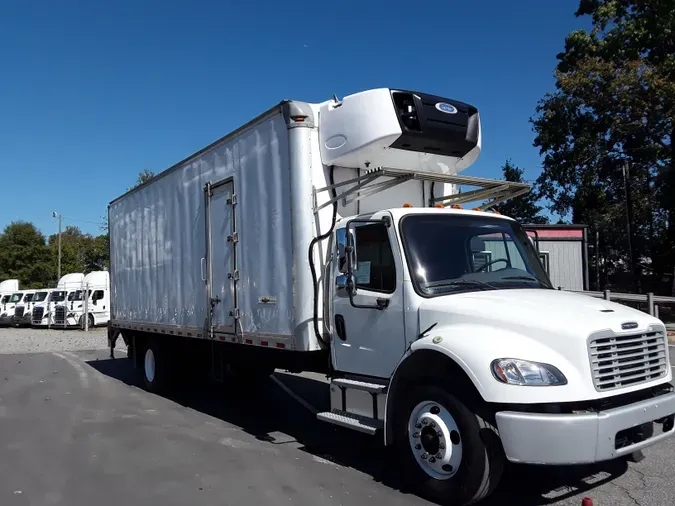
(96, 286)
(22, 312)
(8, 307)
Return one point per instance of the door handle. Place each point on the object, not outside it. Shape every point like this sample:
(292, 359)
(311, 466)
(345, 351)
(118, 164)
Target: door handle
(340, 327)
(203, 269)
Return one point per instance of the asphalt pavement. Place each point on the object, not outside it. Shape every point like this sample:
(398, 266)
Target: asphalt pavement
(76, 430)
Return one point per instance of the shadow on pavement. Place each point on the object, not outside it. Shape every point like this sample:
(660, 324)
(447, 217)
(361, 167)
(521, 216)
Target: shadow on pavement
(271, 416)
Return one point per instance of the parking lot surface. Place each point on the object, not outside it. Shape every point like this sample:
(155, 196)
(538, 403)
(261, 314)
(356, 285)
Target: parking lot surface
(76, 430)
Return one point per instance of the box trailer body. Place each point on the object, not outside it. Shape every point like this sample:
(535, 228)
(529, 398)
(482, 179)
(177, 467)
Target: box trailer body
(312, 239)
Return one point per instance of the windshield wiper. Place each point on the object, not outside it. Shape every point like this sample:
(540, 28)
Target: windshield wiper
(461, 282)
(527, 278)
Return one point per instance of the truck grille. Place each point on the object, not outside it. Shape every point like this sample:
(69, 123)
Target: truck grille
(18, 312)
(38, 313)
(59, 315)
(621, 361)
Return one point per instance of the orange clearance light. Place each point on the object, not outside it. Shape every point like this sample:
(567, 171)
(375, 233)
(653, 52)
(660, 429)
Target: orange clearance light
(439, 206)
(407, 205)
(476, 209)
(456, 206)
(494, 211)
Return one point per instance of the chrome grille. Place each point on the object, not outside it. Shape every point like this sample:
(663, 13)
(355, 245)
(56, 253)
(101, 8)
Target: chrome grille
(38, 313)
(18, 312)
(622, 361)
(59, 315)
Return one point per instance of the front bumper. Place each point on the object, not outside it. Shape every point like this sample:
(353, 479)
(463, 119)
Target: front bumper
(7, 320)
(560, 439)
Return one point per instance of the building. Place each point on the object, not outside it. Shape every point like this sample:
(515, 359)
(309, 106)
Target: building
(563, 251)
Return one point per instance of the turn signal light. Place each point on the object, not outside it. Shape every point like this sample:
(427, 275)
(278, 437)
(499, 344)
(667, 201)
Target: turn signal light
(439, 206)
(407, 205)
(456, 206)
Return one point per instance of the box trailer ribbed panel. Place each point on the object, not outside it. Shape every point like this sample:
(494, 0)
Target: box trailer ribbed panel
(158, 238)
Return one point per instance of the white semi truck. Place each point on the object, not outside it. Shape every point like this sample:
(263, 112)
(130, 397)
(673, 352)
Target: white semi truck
(49, 308)
(22, 311)
(330, 238)
(8, 307)
(96, 286)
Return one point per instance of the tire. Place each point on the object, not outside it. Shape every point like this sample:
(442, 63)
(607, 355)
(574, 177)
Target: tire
(156, 366)
(469, 460)
(90, 317)
(92, 322)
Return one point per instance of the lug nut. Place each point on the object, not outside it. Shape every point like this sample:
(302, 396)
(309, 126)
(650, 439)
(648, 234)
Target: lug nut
(416, 435)
(418, 447)
(432, 425)
(425, 421)
(425, 455)
(439, 455)
(441, 446)
(432, 459)
(439, 434)
(418, 425)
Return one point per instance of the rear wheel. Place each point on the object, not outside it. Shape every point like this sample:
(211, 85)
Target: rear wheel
(156, 366)
(448, 451)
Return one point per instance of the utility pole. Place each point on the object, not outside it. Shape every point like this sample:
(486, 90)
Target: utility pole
(629, 228)
(58, 275)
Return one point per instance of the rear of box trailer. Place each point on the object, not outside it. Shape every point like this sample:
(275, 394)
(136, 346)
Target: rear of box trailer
(234, 197)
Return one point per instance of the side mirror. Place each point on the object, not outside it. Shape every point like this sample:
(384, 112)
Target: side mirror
(345, 285)
(345, 249)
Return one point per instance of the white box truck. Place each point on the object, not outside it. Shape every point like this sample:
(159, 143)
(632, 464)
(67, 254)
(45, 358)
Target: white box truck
(330, 237)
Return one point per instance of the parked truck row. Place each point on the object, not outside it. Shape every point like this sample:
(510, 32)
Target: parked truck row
(331, 237)
(78, 300)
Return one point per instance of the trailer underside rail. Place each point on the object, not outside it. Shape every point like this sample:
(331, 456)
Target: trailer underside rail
(370, 183)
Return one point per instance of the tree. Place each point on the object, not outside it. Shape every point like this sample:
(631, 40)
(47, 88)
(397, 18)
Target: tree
(25, 256)
(523, 208)
(143, 177)
(74, 246)
(606, 134)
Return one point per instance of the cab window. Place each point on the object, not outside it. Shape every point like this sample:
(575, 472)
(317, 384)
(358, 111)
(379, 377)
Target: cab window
(376, 269)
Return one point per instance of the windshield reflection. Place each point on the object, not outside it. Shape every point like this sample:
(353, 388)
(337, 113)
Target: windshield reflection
(459, 253)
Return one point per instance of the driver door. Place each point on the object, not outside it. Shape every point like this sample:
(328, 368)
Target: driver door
(368, 340)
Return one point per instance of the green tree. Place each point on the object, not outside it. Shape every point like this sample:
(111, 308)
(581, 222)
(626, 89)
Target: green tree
(606, 134)
(523, 208)
(143, 177)
(74, 247)
(24, 255)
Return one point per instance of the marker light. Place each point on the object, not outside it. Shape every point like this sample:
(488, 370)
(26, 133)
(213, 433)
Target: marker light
(456, 206)
(407, 205)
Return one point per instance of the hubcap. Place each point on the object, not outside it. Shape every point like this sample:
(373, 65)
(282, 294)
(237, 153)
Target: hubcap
(435, 440)
(149, 365)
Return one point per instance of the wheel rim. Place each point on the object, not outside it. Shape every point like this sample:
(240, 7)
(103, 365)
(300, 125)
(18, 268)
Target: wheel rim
(435, 440)
(149, 365)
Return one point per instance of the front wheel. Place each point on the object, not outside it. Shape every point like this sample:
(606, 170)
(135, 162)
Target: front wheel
(448, 452)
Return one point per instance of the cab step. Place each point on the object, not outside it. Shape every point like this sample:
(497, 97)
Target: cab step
(374, 388)
(351, 421)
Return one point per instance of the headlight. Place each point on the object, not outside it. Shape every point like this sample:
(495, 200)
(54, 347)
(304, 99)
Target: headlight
(521, 372)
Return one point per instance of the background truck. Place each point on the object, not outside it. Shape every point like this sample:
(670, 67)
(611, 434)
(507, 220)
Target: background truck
(96, 286)
(22, 311)
(44, 312)
(330, 238)
(8, 307)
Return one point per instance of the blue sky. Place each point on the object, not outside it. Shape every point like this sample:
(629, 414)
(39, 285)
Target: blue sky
(91, 93)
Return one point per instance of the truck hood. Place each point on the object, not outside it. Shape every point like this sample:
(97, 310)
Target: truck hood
(549, 326)
(570, 315)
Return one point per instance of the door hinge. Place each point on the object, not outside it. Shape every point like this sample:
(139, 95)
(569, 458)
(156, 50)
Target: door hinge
(232, 201)
(235, 314)
(233, 275)
(234, 238)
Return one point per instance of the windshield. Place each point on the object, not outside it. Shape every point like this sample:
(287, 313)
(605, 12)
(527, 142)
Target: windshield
(460, 253)
(28, 297)
(57, 296)
(40, 296)
(16, 297)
